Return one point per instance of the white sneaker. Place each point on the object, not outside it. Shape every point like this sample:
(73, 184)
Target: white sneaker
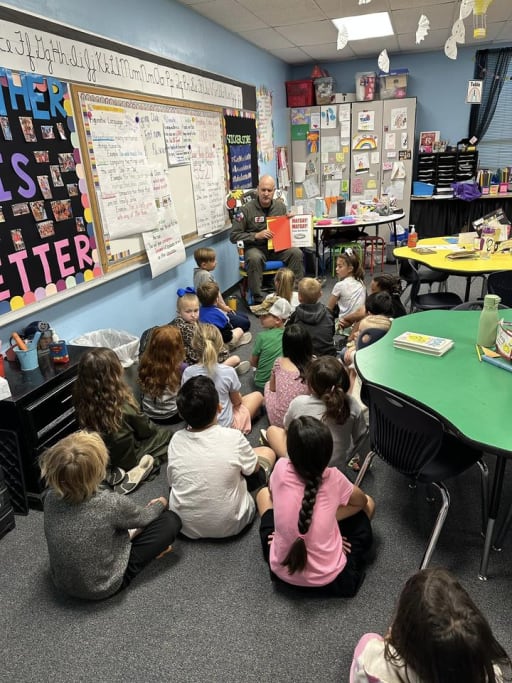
(246, 338)
(263, 437)
(243, 367)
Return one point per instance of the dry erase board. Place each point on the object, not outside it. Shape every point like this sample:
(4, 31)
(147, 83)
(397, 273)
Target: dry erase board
(129, 141)
(47, 242)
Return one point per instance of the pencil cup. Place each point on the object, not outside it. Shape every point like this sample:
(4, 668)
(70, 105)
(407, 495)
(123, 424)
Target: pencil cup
(27, 359)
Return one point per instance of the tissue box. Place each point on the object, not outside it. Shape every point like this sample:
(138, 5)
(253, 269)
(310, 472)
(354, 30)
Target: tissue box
(504, 340)
(324, 89)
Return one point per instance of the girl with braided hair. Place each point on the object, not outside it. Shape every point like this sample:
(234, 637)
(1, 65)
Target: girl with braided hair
(315, 524)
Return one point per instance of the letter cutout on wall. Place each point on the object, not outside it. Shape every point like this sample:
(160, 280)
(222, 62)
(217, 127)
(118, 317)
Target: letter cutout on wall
(47, 240)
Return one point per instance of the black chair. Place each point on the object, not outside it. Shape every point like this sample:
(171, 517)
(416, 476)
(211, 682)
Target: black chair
(415, 443)
(369, 336)
(500, 283)
(429, 301)
(428, 276)
(475, 305)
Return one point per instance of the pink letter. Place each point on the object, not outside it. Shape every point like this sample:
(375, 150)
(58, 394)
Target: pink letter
(41, 252)
(62, 259)
(18, 257)
(82, 246)
(6, 293)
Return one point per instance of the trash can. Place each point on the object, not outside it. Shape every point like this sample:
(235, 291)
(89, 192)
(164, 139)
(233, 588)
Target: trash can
(124, 344)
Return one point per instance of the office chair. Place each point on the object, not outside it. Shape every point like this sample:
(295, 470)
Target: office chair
(428, 276)
(500, 283)
(430, 300)
(415, 443)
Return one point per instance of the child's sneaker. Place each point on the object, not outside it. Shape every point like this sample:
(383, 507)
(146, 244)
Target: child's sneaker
(246, 338)
(243, 367)
(263, 437)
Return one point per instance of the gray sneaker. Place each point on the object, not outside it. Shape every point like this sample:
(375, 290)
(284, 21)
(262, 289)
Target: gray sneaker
(243, 367)
(246, 338)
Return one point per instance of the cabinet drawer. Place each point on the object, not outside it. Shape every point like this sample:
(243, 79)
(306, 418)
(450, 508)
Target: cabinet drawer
(50, 412)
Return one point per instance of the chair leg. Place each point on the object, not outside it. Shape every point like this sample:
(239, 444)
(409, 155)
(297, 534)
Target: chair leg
(502, 531)
(484, 483)
(438, 526)
(366, 464)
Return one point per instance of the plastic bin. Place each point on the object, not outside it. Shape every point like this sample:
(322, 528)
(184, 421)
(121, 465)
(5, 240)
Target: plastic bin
(393, 85)
(324, 90)
(124, 344)
(300, 93)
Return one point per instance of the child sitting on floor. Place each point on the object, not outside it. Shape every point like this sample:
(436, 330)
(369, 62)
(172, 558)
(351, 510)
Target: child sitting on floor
(211, 468)
(315, 524)
(206, 260)
(105, 404)
(92, 553)
(316, 318)
(187, 320)
(268, 345)
(329, 402)
(349, 292)
(288, 377)
(284, 281)
(160, 369)
(237, 411)
(208, 295)
(438, 635)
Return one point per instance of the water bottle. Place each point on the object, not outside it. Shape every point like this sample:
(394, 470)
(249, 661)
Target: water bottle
(488, 323)
(412, 238)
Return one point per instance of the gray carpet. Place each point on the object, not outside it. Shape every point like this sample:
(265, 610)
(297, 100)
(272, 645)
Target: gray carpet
(208, 611)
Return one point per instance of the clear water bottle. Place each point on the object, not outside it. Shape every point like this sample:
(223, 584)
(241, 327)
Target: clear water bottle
(488, 323)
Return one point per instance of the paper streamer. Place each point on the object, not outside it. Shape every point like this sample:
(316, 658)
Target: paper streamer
(383, 61)
(450, 48)
(423, 29)
(342, 38)
(459, 31)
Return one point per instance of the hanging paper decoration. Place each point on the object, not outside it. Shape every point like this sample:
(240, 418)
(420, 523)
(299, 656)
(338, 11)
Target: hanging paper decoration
(459, 31)
(466, 7)
(479, 18)
(342, 38)
(383, 61)
(423, 29)
(450, 48)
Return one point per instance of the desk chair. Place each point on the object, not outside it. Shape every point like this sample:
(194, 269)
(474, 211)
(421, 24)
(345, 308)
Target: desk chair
(369, 336)
(415, 443)
(428, 276)
(372, 245)
(500, 283)
(432, 300)
(270, 268)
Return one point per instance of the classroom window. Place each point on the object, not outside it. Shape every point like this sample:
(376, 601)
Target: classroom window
(495, 148)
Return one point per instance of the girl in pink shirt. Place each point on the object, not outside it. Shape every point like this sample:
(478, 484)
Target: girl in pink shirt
(315, 524)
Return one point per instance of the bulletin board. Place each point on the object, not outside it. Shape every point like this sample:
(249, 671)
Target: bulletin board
(47, 240)
(127, 141)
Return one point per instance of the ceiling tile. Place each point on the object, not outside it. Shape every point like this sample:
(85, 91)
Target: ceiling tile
(230, 14)
(292, 55)
(282, 12)
(311, 33)
(267, 39)
(329, 53)
(404, 20)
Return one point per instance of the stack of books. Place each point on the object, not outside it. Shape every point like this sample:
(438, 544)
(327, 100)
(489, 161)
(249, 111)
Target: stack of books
(423, 343)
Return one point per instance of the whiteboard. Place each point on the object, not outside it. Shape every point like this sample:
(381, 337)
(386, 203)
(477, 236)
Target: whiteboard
(125, 139)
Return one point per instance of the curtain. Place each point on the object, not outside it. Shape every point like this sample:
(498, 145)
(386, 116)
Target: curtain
(491, 66)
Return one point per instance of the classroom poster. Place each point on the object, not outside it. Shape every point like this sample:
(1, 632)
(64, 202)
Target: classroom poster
(47, 241)
(241, 148)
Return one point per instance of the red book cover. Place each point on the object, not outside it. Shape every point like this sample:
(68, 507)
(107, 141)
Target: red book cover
(280, 228)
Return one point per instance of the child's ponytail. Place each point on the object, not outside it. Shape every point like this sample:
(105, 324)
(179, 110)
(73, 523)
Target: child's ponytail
(207, 342)
(329, 381)
(309, 446)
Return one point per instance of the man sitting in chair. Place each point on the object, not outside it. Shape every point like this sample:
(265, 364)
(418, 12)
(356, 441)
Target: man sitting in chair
(250, 226)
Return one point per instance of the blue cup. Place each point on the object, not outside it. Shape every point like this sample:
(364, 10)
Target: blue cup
(27, 359)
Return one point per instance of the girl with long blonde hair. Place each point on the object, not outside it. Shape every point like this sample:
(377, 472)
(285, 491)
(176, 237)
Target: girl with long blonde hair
(236, 411)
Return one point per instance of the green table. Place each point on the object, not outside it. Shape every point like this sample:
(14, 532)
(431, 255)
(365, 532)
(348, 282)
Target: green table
(471, 398)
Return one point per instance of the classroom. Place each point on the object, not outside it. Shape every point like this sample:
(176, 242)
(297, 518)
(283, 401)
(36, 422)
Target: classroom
(222, 619)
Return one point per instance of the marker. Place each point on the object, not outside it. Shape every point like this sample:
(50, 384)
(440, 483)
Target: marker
(478, 353)
(498, 363)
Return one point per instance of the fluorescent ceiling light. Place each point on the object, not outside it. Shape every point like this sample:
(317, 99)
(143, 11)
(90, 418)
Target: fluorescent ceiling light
(366, 25)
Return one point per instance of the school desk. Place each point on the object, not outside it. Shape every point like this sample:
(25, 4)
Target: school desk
(467, 268)
(472, 398)
(321, 224)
